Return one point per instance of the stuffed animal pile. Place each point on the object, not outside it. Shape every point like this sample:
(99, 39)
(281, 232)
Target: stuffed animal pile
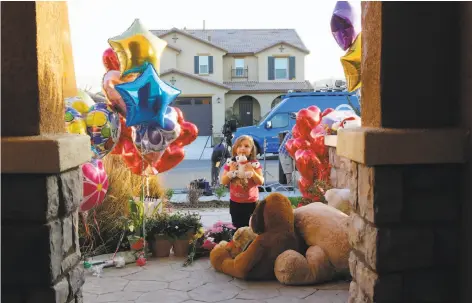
(304, 246)
(273, 223)
(325, 232)
(241, 240)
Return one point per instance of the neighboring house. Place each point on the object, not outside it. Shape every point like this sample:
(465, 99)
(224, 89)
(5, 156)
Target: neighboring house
(244, 71)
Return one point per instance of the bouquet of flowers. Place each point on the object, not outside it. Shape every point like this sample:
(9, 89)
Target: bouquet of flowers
(204, 241)
(221, 231)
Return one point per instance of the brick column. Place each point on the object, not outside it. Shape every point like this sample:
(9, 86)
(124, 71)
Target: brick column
(408, 159)
(41, 178)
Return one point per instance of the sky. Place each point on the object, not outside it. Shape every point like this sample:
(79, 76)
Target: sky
(92, 23)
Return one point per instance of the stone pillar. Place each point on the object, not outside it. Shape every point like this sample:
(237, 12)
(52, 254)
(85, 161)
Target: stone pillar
(408, 158)
(41, 177)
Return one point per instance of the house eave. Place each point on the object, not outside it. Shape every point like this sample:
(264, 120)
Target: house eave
(176, 30)
(194, 77)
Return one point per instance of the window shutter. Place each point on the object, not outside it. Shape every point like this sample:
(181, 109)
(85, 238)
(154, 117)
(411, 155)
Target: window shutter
(291, 68)
(271, 66)
(196, 63)
(210, 64)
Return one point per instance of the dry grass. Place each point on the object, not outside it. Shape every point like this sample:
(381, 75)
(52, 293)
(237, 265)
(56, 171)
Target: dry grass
(110, 215)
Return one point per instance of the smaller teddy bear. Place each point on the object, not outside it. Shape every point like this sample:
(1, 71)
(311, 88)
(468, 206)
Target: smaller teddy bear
(241, 172)
(241, 240)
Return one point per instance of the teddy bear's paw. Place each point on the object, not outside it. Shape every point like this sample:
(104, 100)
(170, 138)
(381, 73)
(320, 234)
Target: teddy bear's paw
(291, 268)
(217, 255)
(249, 174)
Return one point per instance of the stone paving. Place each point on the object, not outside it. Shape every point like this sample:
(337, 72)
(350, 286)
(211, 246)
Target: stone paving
(165, 280)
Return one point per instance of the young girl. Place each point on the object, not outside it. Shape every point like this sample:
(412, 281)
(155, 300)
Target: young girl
(243, 193)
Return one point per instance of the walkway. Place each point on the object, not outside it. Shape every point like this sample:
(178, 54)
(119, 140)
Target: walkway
(164, 280)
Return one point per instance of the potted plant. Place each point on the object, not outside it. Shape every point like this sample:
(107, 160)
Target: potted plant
(157, 234)
(182, 228)
(134, 224)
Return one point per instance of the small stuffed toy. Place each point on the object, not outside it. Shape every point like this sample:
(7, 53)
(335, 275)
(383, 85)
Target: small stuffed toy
(272, 221)
(241, 239)
(339, 199)
(325, 231)
(241, 172)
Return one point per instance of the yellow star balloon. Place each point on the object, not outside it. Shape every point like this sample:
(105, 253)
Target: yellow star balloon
(351, 62)
(136, 46)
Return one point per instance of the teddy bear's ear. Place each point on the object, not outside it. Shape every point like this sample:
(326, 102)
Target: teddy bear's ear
(257, 221)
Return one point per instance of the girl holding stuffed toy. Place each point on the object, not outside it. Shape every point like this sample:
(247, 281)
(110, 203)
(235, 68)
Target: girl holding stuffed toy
(243, 173)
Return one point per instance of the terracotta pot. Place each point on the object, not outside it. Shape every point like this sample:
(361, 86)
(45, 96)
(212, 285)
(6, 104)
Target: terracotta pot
(181, 247)
(161, 247)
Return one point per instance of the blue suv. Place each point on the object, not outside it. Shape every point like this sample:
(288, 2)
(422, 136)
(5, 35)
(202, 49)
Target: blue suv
(282, 116)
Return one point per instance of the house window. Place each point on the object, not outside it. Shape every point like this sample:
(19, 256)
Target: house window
(203, 65)
(239, 67)
(281, 68)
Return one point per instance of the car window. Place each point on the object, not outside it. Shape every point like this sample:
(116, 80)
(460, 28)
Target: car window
(280, 120)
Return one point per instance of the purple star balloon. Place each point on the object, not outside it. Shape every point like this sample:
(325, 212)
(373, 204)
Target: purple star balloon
(344, 24)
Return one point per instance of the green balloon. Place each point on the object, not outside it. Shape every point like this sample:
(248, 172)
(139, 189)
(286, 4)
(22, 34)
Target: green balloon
(106, 132)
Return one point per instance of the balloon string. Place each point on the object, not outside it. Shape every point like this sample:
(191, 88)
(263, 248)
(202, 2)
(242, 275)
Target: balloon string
(96, 222)
(142, 199)
(87, 230)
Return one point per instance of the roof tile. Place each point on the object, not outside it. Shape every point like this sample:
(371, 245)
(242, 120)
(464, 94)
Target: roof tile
(244, 40)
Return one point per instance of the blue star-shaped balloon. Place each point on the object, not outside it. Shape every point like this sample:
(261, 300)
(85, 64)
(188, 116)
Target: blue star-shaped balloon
(146, 98)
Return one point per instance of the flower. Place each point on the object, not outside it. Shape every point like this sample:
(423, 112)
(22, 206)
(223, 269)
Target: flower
(209, 245)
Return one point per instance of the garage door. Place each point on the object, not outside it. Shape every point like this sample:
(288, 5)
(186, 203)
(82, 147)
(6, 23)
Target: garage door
(198, 111)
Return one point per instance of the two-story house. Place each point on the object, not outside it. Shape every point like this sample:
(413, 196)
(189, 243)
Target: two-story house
(223, 72)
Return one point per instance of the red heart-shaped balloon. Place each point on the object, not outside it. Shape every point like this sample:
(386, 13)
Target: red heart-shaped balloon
(110, 60)
(180, 115)
(307, 163)
(172, 156)
(305, 185)
(320, 129)
(327, 111)
(295, 132)
(289, 146)
(317, 144)
(307, 119)
(188, 134)
(324, 169)
(298, 144)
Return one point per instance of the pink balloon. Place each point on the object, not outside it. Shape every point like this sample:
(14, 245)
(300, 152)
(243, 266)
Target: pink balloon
(95, 184)
(111, 79)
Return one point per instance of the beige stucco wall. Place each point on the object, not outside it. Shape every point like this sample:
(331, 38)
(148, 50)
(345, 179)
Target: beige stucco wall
(168, 59)
(249, 61)
(190, 48)
(275, 52)
(192, 88)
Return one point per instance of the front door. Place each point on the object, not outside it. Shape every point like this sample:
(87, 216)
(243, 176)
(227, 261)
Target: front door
(245, 111)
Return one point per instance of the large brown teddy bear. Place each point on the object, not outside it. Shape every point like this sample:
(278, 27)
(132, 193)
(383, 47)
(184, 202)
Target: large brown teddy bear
(273, 221)
(325, 231)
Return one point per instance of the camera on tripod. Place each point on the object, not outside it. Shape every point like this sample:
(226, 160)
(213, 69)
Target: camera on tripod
(229, 127)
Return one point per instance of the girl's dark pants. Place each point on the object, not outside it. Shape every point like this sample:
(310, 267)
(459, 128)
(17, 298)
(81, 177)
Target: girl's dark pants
(241, 212)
